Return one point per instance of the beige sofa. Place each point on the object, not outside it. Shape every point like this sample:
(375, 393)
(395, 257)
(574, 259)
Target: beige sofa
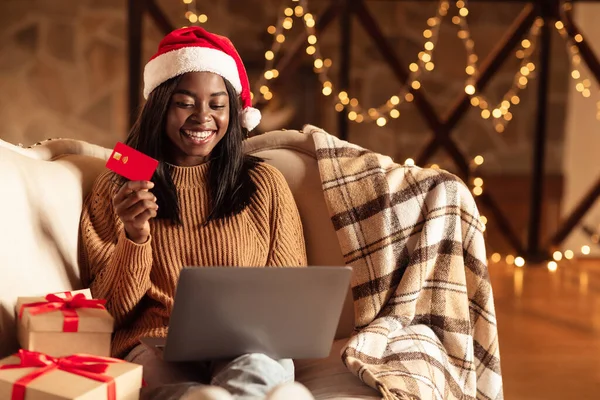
(41, 193)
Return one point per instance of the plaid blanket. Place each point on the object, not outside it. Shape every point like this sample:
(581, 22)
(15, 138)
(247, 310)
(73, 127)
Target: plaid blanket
(425, 320)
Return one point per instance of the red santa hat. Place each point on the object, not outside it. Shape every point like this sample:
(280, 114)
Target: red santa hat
(194, 49)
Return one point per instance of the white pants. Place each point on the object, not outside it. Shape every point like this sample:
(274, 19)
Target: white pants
(250, 376)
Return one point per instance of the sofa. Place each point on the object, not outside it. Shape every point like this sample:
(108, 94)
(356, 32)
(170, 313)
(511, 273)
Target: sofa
(42, 189)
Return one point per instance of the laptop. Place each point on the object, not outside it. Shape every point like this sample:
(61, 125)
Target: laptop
(224, 312)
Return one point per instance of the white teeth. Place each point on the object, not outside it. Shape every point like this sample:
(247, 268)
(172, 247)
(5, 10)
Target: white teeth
(198, 135)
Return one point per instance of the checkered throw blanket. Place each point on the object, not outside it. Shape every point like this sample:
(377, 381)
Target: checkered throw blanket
(425, 319)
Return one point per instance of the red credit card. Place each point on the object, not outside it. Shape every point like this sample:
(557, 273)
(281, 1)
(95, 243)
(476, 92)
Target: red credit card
(131, 164)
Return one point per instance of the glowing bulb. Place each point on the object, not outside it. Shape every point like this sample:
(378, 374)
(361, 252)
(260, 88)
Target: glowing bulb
(586, 93)
(523, 81)
(524, 71)
(343, 95)
(559, 25)
(520, 54)
(477, 190)
(428, 46)
(395, 100)
(578, 38)
(579, 87)
(345, 101)
(268, 96)
(515, 100)
(499, 128)
(354, 102)
(280, 38)
(470, 70)
(360, 118)
(485, 114)
(463, 12)
(312, 39)
(432, 21)
(271, 29)
(531, 66)
(339, 107)
(429, 66)
(308, 16)
(569, 254)
(275, 73)
(202, 18)
(435, 166)
(187, 1)
(269, 55)
(352, 115)
(456, 20)
(519, 262)
(557, 255)
(327, 84)
(318, 63)
(463, 34)
(413, 67)
(460, 4)
(552, 266)
(409, 97)
(478, 181)
(497, 113)
(289, 12)
(427, 33)
(193, 18)
(394, 113)
(510, 259)
(327, 91)
(426, 57)
(381, 121)
(483, 219)
(470, 89)
(474, 101)
(310, 23)
(416, 85)
(525, 44)
(264, 89)
(473, 58)
(299, 11)
(496, 257)
(269, 75)
(311, 50)
(327, 62)
(409, 162)
(585, 249)
(478, 160)
(288, 23)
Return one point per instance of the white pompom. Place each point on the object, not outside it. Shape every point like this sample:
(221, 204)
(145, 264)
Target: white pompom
(250, 118)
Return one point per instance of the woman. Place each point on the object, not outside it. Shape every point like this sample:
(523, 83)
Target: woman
(208, 204)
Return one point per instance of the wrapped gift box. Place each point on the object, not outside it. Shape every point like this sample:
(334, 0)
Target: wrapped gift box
(36, 376)
(63, 324)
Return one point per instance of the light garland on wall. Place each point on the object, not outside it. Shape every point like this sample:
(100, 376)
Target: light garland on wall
(321, 66)
(192, 14)
(499, 114)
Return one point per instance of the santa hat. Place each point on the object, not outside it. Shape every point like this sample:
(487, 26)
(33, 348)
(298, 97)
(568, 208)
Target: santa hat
(194, 49)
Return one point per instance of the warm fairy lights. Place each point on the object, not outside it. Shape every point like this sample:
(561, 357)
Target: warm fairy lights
(343, 101)
(192, 14)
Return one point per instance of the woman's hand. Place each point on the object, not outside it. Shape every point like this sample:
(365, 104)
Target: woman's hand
(135, 205)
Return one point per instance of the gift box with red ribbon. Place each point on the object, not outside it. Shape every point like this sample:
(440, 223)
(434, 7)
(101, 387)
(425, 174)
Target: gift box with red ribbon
(64, 323)
(34, 375)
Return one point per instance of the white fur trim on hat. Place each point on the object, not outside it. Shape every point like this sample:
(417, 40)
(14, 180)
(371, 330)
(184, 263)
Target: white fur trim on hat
(190, 59)
(250, 118)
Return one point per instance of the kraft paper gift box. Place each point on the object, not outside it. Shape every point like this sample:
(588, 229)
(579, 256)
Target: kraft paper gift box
(68, 323)
(36, 376)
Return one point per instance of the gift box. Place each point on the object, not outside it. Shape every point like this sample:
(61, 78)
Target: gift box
(64, 323)
(33, 375)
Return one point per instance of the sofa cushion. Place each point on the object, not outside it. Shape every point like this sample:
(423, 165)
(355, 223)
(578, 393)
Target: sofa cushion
(41, 205)
(330, 379)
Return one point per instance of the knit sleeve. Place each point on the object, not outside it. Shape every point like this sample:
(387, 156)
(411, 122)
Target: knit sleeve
(287, 248)
(112, 266)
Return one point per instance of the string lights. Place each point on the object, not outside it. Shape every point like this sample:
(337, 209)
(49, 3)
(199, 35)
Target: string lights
(321, 65)
(498, 114)
(192, 14)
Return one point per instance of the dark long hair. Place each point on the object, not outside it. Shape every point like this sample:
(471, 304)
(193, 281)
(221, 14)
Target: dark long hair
(229, 183)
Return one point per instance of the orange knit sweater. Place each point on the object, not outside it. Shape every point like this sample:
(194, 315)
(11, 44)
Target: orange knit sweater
(138, 281)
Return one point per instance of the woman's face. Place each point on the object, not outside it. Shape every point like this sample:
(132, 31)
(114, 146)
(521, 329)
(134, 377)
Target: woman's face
(197, 117)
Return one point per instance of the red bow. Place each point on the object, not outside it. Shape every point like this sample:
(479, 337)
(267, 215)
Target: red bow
(67, 306)
(91, 367)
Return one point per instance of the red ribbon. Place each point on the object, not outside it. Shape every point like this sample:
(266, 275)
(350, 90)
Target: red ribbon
(91, 367)
(67, 306)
